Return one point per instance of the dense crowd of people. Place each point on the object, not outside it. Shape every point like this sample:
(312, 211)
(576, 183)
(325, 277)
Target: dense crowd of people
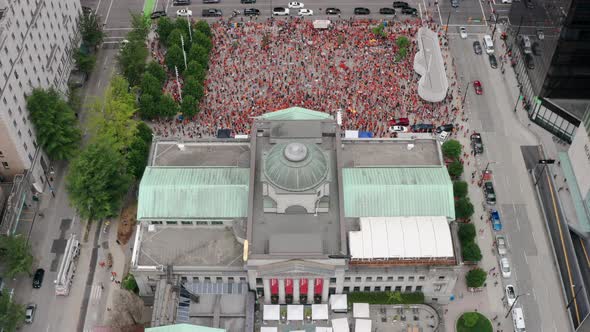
(260, 67)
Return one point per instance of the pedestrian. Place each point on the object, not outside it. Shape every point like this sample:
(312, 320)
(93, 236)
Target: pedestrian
(108, 309)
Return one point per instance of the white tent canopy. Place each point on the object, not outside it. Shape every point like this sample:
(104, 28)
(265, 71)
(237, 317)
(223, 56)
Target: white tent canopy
(351, 134)
(402, 237)
(319, 311)
(362, 325)
(321, 24)
(271, 312)
(269, 329)
(340, 325)
(295, 312)
(360, 310)
(339, 302)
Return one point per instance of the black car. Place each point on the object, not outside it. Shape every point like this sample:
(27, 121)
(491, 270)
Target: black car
(212, 13)
(247, 1)
(446, 127)
(423, 128)
(476, 143)
(38, 278)
(529, 4)
(157, 14)
(477, 47)
(181, 2)
(493, 61)
(400, 4)
(490, 193)
(361, 11)
(454, 3)
(387, 11)
(211, 1)
(332, 11)
(528, 60)
(251, 12)
(410, 11)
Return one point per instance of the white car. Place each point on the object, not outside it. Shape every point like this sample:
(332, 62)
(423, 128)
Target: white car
(510, 295)
(501, 245)
(398, 129)
(30, 313)
(184, 13)
(506, 1)
(296, 5)
(505, 267)
(280, 11)
(463, 32)
(305, 12)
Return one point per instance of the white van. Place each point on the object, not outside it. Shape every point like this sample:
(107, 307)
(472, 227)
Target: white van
(488, 44)
(518, 320)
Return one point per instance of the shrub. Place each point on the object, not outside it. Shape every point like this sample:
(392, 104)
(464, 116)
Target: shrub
(471, 252)
(463, 208)
(452, 149)
(476, 278)
(386, 297)
(466, 233)
(130, 284)
(470, 319)
(460, 189)
(479, 321)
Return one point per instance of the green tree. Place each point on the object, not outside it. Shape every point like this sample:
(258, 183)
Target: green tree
(157, 71)
(452, 149)
(91, 30)
(200, 38)
(193, 87)
(463, 208)
(137, 155)
(189, 106)
(150, 85)
(466, 233)
(130, 284)
(167, 107)
(199, 53)
(174, 58)
(460, 189)
(144, 132)
(12, 315)
(97, 181)
(476, 278)
(165, 26)
(203, 27)
(148, 107)
(132, 61)
(195, 69)
(55, 124)
(379, 31)
(471, 252)
(84, 62)
(112, 117)
(140, 27)
(455, 169)
(402, 42)
(401, 54)
(174, 38)
(15, 254)
(470, 319)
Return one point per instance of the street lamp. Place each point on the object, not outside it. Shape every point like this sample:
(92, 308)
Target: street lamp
(483, 174)
(514, 303)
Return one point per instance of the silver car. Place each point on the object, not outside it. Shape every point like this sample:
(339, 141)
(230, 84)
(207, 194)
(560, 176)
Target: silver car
(30, 312)
(501, 245)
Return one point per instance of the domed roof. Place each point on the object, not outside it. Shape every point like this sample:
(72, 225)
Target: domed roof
(295, 166)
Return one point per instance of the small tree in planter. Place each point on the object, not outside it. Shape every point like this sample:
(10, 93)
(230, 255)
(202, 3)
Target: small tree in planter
(466, 233)
(463, 208)
(455, 169)
(476, 278)
(471, 252)
(452, 149)
(460, 189)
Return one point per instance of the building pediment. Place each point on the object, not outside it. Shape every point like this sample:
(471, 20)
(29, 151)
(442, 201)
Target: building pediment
(296, 267)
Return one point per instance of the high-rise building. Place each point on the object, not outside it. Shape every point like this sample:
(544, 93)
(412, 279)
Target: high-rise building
(37, 40)
(551, 42)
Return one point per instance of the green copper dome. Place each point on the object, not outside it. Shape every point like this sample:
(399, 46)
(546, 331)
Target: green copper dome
(295, 166)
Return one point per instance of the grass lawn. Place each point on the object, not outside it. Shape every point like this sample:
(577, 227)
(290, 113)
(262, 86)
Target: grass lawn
(483, 325)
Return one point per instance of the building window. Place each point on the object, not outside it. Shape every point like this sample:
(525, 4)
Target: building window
(369, 279)
(377, 288)
(242, 279)
(357, 289)
(207, 278)
(5, 164)
(217, 223)
(411, 278)
(219, 279)
(400, 278)
(379, 278)
(357, 279)
(259, 281)
(421, 278)
(345, 289)
(367, 289)
(183, 279)
(418, 288)
(201, 222)
(345, 278)
(434, 299)
(398, 288)
(389, 278)
(332, 290)
(408, 289)
(184, 222)
(156, 222)
(260, 291)
(388, 288)
(438, 287)
(171, 222)
(230, 279)
(441, 277)
(1, 154)
(332, 280)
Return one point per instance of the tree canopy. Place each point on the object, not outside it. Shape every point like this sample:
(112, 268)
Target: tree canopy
(452, 149)
(193, 87)
(138, 152)
(174, 58)
(203, 27)
(460, 189)
(165, 26)
(466, 232)
(189, 106)
(84, 62)
(476, 278)
(199, 54)
(12, 315)
(157, 71)
(463, 208)
(471, 252)
(91, 29)
(455, 169)
(55, 124)
(15, 254)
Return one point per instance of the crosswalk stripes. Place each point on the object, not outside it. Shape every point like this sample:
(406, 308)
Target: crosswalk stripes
(95, 293)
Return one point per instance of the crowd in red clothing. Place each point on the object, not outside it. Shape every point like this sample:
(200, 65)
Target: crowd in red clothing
(260, 67)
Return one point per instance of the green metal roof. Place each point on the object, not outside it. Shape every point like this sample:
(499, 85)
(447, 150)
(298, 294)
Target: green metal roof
(398, 191)
(296, 113)
(176, 193)
(183, 328)
(295, 166)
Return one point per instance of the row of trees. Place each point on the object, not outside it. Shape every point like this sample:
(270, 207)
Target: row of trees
(452, 150)
(16, 258)
(92, 35)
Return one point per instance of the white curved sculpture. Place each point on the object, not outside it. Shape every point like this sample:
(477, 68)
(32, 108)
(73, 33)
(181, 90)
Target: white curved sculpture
(429, 64)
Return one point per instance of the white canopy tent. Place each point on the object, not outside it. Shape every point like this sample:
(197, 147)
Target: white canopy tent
(319, 311)
(360, 310)
(351, 134)
(340, 325)
(295, 312)
(269, 329)
(271, 312)
(321, 24)
(339, 302)
(362, 325)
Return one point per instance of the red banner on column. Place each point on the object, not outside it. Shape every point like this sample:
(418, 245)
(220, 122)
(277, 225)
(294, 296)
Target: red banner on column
(289, 286)
(302, 286)
(274, 286)
(318, 286)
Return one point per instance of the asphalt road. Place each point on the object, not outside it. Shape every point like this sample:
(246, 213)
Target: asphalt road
(581, 247)
(533, 269)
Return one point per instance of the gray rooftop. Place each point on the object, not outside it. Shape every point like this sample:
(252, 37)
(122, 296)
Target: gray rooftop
(390, 152)
(211, 152)
(189, 246)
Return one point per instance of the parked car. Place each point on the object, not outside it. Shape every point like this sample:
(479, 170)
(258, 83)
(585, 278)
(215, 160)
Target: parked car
(454, 3)
(280, 11)
(211, 1)
(181, 2)
(184, 13)
(446, 127)
(30, 313)
(477, 47)
(212, 12)
(400, 4)
(402, 121)
(410, 11)
(332, 11)
(476, 143)
(490, 193)
(398, 129)
(505, 267)
(477, 87)
(510, 294)
(387, 11)
(157, 14)
(501, 245)
(361, 11)
(247, 1)
(463, 32)
(296, 5)
(496, 222)
(251, 12)
(423, 128)
(305, 12)
(493, 61)
(38, 278)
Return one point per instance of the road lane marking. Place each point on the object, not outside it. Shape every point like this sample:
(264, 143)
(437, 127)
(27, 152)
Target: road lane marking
(108, 13)
(485, 21)
(585, 252)
(525, 259)
(567, 262)
(440, 17)
(98, 6)
(533, 291)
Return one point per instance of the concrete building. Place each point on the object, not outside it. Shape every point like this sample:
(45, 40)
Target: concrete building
(295, 213)
(37, 40)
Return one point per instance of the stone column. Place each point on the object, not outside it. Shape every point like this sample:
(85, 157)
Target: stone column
(295, 290)
(339, 281)
(266, 283)
(326, 290)
(282, 291)
(310, 287)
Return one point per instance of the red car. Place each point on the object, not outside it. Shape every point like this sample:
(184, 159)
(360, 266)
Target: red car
(477, 87)
(402, 122)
